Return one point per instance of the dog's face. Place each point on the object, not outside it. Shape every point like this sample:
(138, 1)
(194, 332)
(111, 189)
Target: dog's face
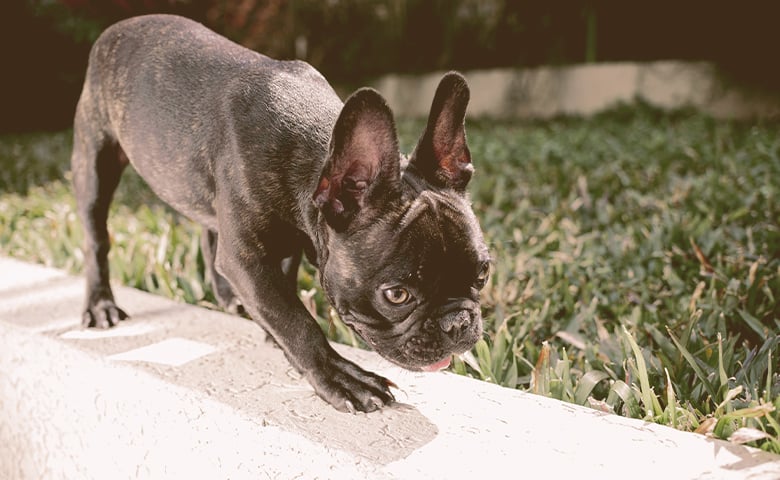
(405, 258)
(409, 284)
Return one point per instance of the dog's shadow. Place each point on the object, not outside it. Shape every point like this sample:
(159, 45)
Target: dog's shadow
(245, 372)
(287, 401)
(254, 378)
(380, 437)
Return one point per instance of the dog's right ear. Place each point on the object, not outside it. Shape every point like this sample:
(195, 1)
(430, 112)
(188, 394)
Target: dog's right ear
(363, 159)
(442, 155)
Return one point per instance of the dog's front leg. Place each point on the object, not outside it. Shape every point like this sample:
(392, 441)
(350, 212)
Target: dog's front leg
(264, 289)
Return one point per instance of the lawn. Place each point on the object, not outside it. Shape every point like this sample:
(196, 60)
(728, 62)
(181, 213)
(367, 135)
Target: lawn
(636, 259)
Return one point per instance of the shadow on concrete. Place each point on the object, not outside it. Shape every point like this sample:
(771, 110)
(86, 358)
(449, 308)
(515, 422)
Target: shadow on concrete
(244, 371)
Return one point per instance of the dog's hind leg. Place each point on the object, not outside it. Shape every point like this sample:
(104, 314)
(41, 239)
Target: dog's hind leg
(290, 269)
(222, 290)
(97, 164)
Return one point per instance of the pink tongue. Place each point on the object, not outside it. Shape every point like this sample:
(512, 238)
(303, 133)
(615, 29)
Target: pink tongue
(438, 365)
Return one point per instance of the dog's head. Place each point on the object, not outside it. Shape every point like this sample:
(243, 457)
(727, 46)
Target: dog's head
(404, 255)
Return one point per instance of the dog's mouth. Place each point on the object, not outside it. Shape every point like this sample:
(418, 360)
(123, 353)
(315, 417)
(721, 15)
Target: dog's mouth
(420, 348)
(399, 355)
(440, 365)
(415, 366)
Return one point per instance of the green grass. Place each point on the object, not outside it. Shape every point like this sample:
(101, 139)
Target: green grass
(636, 260)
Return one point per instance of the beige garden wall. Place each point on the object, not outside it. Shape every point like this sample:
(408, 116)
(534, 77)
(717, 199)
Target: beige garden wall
(586, 89)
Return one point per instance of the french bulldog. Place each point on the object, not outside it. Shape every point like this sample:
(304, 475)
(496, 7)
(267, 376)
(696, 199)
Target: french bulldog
(265, 156)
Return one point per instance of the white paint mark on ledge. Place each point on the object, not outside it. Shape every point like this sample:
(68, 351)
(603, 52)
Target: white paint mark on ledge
(173, 351)
(121, 330)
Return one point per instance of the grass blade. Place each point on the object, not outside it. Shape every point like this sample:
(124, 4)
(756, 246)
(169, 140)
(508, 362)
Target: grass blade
(724, 379)
(695, 366)
(586, 385)
(622, 390)
(649, 400)
(540, 379)
(754, 323)
(671, 402)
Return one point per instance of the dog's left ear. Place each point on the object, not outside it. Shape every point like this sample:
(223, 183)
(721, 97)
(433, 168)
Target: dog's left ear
(442, 156)
(363, 160)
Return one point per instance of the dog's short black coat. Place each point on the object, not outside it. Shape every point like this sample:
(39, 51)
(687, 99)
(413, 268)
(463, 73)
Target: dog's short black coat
(266, 157)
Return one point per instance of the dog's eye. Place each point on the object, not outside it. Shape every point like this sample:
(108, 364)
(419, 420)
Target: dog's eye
(483, 275)
(397, 295)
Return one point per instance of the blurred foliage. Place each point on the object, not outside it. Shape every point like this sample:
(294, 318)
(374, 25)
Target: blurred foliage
(356, 39)
(44, 43)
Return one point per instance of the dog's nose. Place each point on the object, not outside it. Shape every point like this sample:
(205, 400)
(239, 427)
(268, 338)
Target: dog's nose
(455, 323)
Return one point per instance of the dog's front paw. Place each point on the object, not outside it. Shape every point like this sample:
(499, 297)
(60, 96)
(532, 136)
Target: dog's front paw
(349, 388)
(103, 314)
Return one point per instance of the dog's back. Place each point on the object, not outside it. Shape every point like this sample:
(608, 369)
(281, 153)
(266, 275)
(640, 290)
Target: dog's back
(178, 98)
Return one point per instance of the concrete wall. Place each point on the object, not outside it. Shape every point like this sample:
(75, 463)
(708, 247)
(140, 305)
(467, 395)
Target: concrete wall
(584, 90)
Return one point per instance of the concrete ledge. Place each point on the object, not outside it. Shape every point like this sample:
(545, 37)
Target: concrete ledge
(584, 90)
(183, 392)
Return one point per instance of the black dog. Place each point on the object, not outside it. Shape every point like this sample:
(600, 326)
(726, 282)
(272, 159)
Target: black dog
(266, 157)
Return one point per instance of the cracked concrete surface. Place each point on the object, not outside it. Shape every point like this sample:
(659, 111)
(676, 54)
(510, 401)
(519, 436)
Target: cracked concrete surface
(184, 392)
